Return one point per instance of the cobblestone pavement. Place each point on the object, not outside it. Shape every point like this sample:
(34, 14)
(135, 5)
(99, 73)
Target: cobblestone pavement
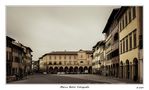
(69, 79)
(110, 80)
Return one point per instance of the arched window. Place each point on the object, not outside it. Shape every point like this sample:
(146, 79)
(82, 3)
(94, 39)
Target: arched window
(50, 63)
(60, 63)
(54, 63)
(81, 61)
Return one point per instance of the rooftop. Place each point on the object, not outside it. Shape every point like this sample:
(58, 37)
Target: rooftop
(110, 20)
(66, 53)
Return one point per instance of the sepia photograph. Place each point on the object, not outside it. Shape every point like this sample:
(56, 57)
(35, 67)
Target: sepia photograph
(70, 44)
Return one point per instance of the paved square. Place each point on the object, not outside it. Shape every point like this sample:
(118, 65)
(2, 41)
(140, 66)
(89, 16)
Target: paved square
(68, 79)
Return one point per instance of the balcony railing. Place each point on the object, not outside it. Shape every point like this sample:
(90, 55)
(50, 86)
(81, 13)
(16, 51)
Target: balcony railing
(115, 45)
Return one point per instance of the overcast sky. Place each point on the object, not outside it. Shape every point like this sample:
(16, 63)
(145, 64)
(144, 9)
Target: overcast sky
(57, 28)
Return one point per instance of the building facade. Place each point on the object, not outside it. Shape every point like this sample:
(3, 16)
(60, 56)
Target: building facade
(112, 45)
(98, 61)
(66, 61)
(16, 61)
(27, 59)
(130, 20)
(35, 66)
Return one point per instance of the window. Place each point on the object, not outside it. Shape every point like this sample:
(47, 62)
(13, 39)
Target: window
(120, 47)
(119, 26)
(129, 17)
(81, 61)
(115, 53)
(130, 41)
(60, 63)
(134, 12)
(7, 55)
(126, 19)
(123, 45)
(49, 57)
(54, 63)
(140, 41)
(124, 16)
(126, 43)
(50, 63)
(134, 39)
(69, 57)
(55, 57)
(116, 37)
(123, 23)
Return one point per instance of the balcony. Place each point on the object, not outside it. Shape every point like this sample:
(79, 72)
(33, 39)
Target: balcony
(108, 49)
(114, 60)
(115, 45)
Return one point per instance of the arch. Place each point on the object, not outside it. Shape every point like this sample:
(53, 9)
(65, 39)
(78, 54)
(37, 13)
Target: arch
(108, 70)
(121, 63)
(55, 70)
(135, 69)
(81, 69)
(51, 70)
(121, 69)
(113, 70)
(60, 63)
(76, 69)
(127, 69)
(90, 69)
(117, 69)
(66, 69)
(54, 63)
(85, 69)
(71, 70)
(50, 63)
(61, 69)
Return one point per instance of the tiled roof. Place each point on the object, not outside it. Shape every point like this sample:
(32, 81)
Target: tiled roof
(89, 51)
(110, 20)
(63, 53)
(66, 53)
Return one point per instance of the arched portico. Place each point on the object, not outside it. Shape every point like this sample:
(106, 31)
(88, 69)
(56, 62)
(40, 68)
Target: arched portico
(76, 69)
(51, 70)
(127, 70)
(55, 70)
(71, 70)
(135, 69)
(61, 69)
(81, 69)
(90, 69)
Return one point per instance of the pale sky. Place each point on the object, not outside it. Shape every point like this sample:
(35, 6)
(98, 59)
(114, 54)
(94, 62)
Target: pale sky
(57, 28)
